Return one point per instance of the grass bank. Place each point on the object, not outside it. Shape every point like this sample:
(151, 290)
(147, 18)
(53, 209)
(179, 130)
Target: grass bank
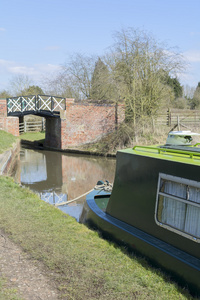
(33, 136)
(83, 265)
(6, 140)
(128, 136)
(7, 293)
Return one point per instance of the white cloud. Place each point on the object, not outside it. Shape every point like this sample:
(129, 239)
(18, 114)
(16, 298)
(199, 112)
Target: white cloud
(21, 70)
(2, 29)
(192, 56)
(48, 68)
(35, 72)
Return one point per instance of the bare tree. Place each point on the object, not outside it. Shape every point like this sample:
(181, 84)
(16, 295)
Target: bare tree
(195, 101)
(79, 71)
(74, 80)
(60, 85)
(188, 91)
(139, 65)
(4, 94)
(19, 83)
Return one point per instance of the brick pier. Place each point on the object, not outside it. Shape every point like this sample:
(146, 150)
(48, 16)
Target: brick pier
(9, 124)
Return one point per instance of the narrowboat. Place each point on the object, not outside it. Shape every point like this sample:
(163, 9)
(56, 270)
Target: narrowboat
(154, 206)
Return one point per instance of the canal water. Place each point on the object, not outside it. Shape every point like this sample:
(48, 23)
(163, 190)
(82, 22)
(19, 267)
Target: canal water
(59, 177)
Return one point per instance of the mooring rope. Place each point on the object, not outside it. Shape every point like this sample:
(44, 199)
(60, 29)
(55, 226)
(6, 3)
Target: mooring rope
(70, 201)
(106, 186)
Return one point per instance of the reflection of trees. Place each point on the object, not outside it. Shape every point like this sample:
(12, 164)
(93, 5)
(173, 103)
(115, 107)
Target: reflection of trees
(33, 166)
(64, 174)
(41, 170)
(82, 173)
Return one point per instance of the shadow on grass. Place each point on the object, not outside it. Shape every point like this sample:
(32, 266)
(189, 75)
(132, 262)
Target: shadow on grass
(150, 265)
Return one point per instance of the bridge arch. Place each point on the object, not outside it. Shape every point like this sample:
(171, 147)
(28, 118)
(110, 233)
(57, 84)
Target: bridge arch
(68, 123)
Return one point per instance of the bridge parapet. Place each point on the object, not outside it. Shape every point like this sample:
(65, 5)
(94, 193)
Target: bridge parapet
(42, 105)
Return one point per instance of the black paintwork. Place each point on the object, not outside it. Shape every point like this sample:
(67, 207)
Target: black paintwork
(130, 215)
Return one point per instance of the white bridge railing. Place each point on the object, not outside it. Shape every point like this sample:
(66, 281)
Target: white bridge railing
(35, 104)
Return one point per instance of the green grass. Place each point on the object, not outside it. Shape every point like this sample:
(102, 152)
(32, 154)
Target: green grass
(83, 265)
(6, 140)
(7, 293)
(33, 136)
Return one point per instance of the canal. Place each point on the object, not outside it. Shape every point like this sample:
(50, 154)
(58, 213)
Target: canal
(59, 177)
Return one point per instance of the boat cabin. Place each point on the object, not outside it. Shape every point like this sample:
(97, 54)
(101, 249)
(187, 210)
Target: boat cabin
(157, 189)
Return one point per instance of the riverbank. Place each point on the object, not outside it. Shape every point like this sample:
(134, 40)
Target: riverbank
(6, 141)
(79, 262)
(9, 152)
(124, 137)
(76, 260)
(35, 140)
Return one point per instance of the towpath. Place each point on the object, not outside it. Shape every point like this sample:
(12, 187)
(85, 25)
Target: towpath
(28, 277)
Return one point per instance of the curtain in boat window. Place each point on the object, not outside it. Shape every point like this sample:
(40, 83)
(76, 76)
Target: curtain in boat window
(192, 220)
(176, 213)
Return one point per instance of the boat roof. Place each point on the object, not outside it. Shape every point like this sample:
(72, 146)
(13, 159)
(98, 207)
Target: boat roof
(178, 148)
(184, 154)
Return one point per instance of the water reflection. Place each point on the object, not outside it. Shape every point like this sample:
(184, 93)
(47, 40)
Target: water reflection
(59, 177)
(33, 167)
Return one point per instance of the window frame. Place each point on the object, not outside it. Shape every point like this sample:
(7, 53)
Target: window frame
(180, 180)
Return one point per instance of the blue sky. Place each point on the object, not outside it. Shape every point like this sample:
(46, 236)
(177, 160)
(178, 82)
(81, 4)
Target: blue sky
(36, 36)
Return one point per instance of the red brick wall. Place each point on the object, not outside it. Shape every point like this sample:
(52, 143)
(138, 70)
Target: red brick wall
(3, 108)
(12, 125)
(9, 124)
(84, 123)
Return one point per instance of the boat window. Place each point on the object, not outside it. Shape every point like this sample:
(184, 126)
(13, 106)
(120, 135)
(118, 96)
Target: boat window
(178, 205)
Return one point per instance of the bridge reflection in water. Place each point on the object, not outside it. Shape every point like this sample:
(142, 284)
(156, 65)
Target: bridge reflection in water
(59, 177)
(53, 197)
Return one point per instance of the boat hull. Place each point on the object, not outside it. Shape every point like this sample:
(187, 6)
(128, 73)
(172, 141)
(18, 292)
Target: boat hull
(184, 267)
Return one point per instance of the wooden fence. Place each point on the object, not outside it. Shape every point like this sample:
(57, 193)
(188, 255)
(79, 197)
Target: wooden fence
(181, 117)
(185, 117)
(161, 118)
(28, 126)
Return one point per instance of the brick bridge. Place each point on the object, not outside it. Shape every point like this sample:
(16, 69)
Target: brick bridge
(68, 123)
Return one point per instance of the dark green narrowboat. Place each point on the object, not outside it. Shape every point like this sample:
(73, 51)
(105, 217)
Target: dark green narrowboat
(154, 206)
